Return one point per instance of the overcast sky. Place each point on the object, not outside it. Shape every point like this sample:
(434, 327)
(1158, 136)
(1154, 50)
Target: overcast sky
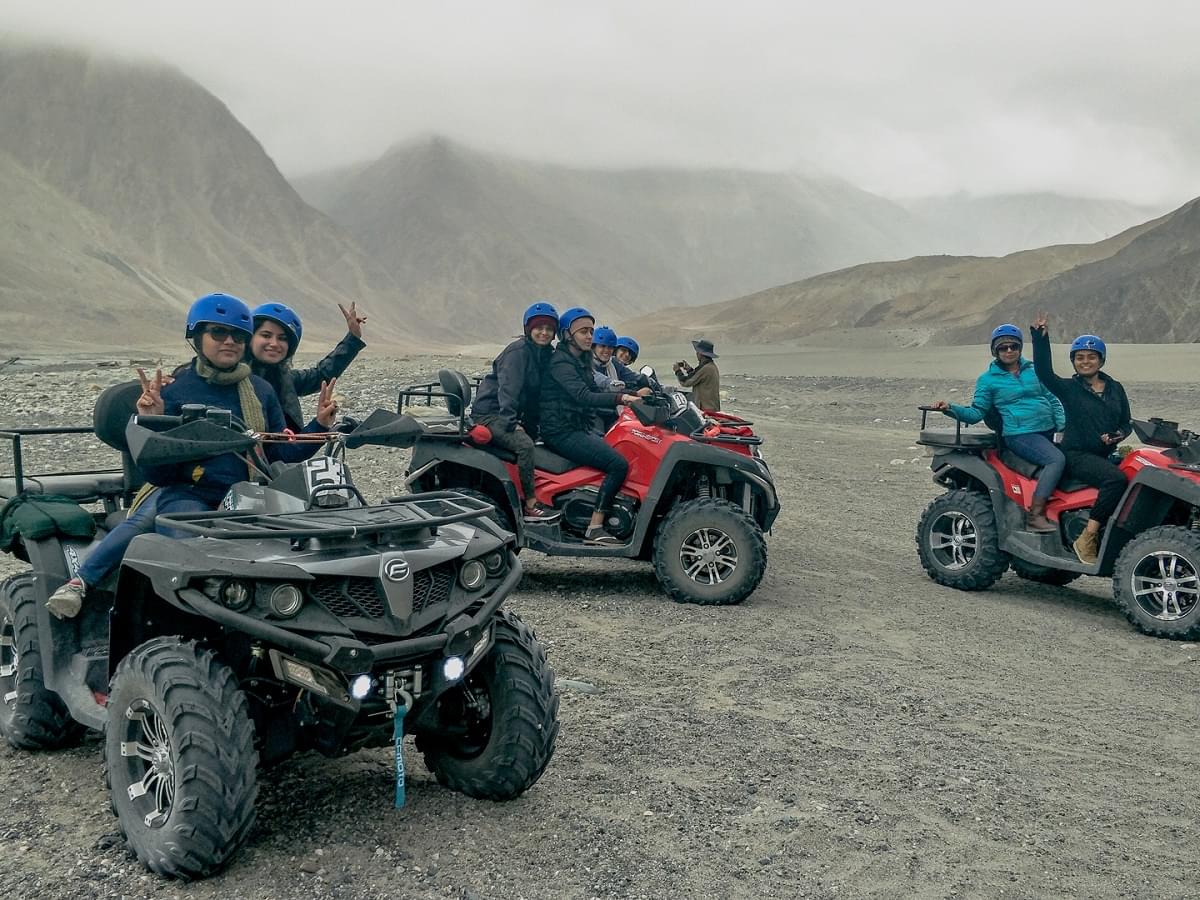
(902, 98)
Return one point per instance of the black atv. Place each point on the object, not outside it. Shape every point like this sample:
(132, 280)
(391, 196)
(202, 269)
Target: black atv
(297, 618)
(698, 497)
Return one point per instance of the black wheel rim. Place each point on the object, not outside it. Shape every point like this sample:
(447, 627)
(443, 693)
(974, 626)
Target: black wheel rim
(708, 556)
(1165, 585)
(953, 540)
(467, 713)
(10, 658)
(150, 763)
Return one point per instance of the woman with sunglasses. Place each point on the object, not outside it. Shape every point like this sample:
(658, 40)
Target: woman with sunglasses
(1029, 414)
(1099, 420)
(218, 326)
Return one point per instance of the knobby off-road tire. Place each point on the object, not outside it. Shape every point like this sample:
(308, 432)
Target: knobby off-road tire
(1157, 582)
(510, 709)
(31, 716)
(1043, 574)
(709, 552)
(958, 542)
(179, 739)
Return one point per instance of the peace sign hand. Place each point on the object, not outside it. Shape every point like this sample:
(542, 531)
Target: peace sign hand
(354, 321)
(150, 403)
(1039, 324)
(327, 406)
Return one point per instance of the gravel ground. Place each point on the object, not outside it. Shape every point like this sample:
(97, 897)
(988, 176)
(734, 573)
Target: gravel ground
(852, 730)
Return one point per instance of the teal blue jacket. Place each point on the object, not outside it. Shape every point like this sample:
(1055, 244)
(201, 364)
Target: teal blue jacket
(1023, 402)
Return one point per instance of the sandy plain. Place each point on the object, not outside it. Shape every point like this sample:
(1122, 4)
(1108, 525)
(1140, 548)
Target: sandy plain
(851, 730)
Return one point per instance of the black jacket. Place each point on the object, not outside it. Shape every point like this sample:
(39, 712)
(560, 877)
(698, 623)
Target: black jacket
(1089, 414)
(631, 379)
(292, 384)
(512, 390)
(570, 396)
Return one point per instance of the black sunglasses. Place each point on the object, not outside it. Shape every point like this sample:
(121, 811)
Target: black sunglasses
(219, 333)
(1007, 348)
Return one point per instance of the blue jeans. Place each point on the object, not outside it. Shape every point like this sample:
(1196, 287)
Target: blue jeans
(1040, 450)
(108, 554)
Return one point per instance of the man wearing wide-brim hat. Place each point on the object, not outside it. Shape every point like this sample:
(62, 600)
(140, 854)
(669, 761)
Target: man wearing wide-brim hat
(704, 379)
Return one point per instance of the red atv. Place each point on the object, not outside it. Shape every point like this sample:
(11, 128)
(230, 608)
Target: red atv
(967, 537)
(697, 499)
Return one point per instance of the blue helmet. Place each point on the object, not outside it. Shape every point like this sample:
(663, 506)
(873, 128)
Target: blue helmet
(218, 309)
(286, 317)
(604, 337)
(570, 317)
(1009, 331)
(539, 310)
(1089, 342)
(629, 344)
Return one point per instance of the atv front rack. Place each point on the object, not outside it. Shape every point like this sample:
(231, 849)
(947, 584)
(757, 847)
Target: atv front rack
(397, 514)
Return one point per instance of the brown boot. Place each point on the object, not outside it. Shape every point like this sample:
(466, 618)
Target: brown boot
(1036, 519)
(1087, 547)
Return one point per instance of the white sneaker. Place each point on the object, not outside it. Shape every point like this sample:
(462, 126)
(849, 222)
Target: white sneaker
(66, 602)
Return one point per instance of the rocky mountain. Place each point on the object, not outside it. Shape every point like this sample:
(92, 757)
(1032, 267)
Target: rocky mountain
(131, 188)
(478, 235)
(958, 299)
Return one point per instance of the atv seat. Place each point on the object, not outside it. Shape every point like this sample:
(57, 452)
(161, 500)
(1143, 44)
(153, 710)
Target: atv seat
(82, 487)
(1030, 470)
(543, 458)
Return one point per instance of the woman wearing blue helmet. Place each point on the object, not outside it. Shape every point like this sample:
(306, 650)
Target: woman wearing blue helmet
(277, 333)
(1098, 419)
(627, 351)
(570, 400)
(612, 375)
(509, 397)
(218, 327)
(1029, 415)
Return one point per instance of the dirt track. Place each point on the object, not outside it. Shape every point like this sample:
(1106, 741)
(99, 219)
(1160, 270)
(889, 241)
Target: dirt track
(852, 730)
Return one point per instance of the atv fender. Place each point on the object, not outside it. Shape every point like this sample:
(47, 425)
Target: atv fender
(59, 640)
(1009, 515)
(428, 456)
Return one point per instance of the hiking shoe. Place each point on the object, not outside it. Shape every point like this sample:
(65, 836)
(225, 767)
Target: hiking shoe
(66, 602)
(1087, 547)
(599, 536)
(541, 514)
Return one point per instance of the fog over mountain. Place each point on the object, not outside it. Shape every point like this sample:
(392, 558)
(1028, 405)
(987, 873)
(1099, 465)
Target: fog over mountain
(130, 189)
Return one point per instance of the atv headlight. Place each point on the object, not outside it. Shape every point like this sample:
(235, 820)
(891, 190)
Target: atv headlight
(236, 595)
(494, 563)
(285, 600)
(472, 575)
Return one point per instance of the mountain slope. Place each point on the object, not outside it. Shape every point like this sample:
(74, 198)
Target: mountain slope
(945, 297)
(482, 235)
(179, 184)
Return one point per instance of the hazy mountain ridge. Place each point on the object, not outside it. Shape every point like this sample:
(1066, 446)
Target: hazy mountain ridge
(947, 299)
(183, 193)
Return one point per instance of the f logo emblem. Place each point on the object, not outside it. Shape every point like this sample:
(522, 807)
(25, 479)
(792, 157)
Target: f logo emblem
(396, 569)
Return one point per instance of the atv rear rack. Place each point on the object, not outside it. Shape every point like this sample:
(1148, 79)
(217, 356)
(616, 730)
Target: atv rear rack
(972, 440)
(75, 483)
(418, 512)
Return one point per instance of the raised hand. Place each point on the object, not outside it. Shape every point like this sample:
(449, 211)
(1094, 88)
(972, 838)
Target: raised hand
(1039, 323)
(150, 403)
(354, 322)
(327, 406)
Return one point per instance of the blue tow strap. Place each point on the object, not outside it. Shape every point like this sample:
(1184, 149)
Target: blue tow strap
(398, 740)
